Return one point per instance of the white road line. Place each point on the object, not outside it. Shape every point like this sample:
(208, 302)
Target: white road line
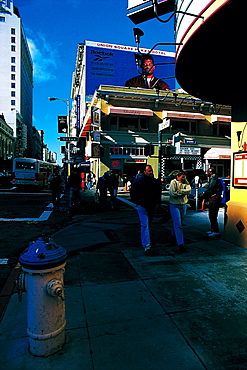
(3, 261)
(128, 202)
(44, 217)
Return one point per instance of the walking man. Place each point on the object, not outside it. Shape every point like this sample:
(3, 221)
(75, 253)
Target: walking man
(56, 186)
(146, 193)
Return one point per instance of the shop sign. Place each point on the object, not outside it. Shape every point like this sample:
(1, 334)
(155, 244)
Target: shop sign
(189, 150)
(115, 164)
(132, 160)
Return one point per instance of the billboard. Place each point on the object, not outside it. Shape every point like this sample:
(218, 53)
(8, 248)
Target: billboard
(112, 64)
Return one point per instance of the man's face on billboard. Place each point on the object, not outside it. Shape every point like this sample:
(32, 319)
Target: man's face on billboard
(148, 66)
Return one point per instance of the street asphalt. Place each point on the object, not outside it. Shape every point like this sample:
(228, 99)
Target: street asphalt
(125, 310)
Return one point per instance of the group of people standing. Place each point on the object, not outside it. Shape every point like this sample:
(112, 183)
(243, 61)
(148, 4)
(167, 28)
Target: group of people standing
(146, 193)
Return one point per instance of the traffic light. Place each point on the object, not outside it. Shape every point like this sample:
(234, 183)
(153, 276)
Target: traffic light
(148, 150)
(62, 124)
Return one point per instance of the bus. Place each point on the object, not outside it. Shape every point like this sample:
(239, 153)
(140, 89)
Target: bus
(31, 172)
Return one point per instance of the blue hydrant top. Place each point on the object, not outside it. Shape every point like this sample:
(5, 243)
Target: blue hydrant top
(43, 255)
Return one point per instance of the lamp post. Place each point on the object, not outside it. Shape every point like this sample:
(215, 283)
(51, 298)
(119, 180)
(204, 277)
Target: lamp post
(67, 102)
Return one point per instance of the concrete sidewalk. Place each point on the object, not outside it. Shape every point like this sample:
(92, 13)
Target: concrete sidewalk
(125, 310)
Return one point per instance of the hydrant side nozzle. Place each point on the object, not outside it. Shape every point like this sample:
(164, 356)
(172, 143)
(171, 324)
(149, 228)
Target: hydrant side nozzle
(55, 289)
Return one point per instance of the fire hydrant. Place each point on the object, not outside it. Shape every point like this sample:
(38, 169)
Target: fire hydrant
(43, 265)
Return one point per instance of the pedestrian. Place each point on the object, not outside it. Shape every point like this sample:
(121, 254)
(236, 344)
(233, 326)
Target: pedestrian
(90, 180)
(213, 195)
(178, 198)
(74, 186)
(146, 193)
(102, 188)
(56, 186)
(112, 185)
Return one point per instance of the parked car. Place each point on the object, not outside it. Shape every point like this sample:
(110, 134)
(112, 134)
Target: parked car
(190, 175)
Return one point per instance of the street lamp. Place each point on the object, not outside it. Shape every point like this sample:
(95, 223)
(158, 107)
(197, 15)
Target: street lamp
(67, 102)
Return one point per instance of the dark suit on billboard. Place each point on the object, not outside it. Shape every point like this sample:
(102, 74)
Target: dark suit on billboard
(139, 81)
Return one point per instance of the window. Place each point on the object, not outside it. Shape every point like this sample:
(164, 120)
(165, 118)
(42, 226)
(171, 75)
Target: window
(143, 124)
(12, 68)
(127, 150)
(12, 31)
(128, 123)
(186, 126)
(12, 59)
(12, 48)
(222, 129)
(113, 122)
(12, 85)
(2, 19)
(12, 102)
(13, 39)
(13, 93)
(12, 77)
(180, 126)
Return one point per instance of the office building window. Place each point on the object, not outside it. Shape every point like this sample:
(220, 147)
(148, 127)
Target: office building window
(12, 47)
(12, 59)
(12, 102)
(12, 85)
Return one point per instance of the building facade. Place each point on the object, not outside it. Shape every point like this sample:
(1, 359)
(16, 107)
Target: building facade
(16, 75)
(121, 127)
(6, 146)
(124, 129)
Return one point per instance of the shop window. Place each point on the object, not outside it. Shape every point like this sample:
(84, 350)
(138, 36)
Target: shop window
(143, 124)
(128, 123)
(180, 126)
(221, 129)
(193, 127)
(113, 122)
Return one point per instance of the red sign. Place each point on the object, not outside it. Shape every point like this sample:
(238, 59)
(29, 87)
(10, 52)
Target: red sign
(115, 164)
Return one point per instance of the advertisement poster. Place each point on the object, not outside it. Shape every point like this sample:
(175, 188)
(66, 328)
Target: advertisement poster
(112, 64)
(240, 169)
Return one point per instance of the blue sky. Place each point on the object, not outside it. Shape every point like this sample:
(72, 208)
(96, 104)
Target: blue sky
(54, 28)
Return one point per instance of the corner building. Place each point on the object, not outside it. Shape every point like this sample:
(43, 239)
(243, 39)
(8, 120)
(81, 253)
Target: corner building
(133, 127)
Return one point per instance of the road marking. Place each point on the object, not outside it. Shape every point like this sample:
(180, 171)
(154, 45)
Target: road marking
(128, 202)
(44, 217)
(3, 261)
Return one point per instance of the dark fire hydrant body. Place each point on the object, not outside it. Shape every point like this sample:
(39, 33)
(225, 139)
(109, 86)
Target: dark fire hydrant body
(43, 264)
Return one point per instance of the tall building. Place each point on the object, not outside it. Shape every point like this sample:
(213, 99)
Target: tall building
(16, 76)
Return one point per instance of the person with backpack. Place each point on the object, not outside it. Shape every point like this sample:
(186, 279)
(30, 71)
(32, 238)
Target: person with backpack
(213, 195)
